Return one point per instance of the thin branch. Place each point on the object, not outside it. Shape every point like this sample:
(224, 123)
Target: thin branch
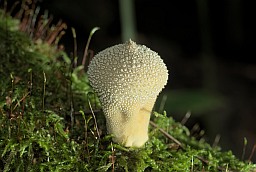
(186, 117)
(166, 134)
(113, 157)
(87, 44)
(44, 90)
(244, 148)
(207, 162)
(162, 104)
(95, 121)
(216, 141)
(75, 46)
(17, 104)
(252, 153)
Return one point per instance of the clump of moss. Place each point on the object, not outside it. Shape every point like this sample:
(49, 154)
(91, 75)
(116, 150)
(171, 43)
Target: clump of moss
(51, 120)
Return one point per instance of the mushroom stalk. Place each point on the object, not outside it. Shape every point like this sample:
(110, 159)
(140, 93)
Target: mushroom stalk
(128, 78)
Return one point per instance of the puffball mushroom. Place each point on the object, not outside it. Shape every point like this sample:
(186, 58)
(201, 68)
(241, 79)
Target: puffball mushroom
(127, 78)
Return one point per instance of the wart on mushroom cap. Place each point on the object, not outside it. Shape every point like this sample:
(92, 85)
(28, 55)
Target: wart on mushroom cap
(128, 78)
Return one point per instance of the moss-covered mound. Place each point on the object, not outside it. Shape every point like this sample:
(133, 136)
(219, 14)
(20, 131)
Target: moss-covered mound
(50, 119)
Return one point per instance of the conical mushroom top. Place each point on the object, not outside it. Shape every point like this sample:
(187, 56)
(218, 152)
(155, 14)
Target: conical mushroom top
(127, 70)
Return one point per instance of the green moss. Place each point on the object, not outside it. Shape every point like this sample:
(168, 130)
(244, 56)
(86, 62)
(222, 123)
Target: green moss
(47, 124)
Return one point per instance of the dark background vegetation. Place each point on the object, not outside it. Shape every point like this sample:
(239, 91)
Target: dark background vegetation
(208, 46)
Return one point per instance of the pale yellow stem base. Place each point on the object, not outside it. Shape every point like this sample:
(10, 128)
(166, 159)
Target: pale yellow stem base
(131, 129)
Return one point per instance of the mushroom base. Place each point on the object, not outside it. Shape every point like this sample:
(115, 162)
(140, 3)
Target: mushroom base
(132, 128)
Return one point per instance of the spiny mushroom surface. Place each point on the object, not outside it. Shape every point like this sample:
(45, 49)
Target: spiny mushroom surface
(127, 78)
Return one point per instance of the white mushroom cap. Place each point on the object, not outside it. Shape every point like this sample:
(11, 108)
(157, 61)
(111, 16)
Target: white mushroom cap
(128, 78)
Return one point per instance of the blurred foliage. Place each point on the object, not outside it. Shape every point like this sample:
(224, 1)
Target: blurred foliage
(197, 101)
(47, 123)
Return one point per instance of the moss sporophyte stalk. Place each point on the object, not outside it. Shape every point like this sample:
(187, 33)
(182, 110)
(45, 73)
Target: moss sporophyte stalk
(46, 105)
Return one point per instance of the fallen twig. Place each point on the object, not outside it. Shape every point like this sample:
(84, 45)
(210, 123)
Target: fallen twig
(166, 134)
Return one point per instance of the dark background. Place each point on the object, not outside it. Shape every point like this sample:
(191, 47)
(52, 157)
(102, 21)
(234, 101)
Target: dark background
(208, 46)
